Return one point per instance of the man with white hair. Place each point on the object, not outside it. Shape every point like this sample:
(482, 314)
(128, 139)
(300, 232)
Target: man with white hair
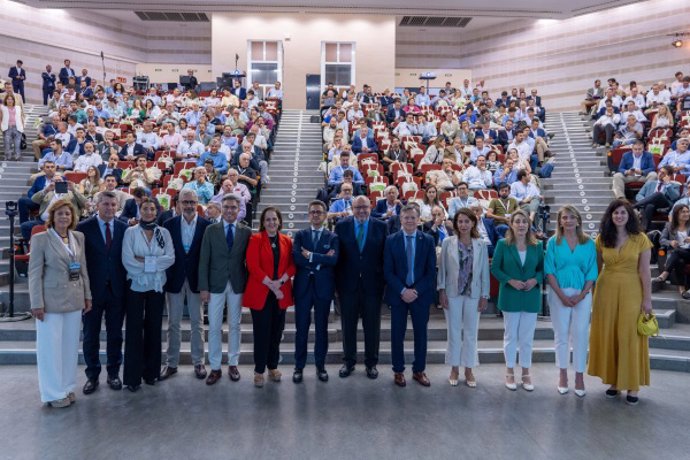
(186, 231)
(189, 147)
(230, 185)
(88, 159)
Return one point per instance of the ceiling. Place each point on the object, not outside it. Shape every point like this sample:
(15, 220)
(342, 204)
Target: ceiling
(536, 9)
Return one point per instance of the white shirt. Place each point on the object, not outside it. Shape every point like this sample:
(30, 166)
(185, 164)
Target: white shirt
(661, 98)
(148, 140)
(188, 229)
(135, 244)
(101, 226)
(523, 148)
(520, 191)
(187, 150)
(84, 162)
(476, 178)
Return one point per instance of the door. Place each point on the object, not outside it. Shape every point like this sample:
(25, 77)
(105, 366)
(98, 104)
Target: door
(313, 91)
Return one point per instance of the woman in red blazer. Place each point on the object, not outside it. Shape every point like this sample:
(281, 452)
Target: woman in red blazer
(269, 291)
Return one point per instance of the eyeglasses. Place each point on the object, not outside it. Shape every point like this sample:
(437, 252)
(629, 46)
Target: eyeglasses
(316, 212)
(360, 207)
(189, 202)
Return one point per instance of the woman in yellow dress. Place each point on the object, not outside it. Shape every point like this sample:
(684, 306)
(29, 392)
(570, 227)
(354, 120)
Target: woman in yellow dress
(618, 354)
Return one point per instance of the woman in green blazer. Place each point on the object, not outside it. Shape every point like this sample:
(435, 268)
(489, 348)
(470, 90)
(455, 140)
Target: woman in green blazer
(518, 265)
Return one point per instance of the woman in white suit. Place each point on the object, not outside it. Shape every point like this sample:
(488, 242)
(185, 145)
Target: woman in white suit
(59, 292)
(463, 284)
(12, 125)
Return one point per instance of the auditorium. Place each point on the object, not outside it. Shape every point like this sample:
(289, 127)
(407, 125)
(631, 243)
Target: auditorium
(367, 229)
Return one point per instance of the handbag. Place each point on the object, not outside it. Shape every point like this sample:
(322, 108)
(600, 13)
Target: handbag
(647, 325)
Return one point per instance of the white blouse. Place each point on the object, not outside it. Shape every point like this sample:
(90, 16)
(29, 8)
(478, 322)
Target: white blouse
(135, 244)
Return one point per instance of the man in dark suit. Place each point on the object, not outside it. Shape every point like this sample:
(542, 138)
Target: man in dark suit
(436, 227)
(315, 252)
(360, 283)
(238, 91)
(506, 136)
(131, 149)
(25, 204)
(395, 113)
(18, 75)
(171, 213)
(410, 271)
(48, 85)
(186, 231)
(103, 236)
(66, 73)
(388, 206)
(130, 211)
(362, 143)
(222, 280)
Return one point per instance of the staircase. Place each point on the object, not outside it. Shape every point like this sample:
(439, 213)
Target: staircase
(294, 173)
(14, 178)
(580, 177)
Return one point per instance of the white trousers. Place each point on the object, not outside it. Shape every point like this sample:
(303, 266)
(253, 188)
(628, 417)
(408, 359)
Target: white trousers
(462, 322)
(175, 309)
(57, 354)
(216, 306)
(518, 335)
(570, 327)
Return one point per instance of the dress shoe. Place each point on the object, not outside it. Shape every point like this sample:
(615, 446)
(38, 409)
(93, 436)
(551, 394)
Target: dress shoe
(345, 371)
(168, 371)
(275, 375)
(115, 383)
(322, 374)
(72, 397)
(133, 388)
(297, 376)
(60, 403)
(632, 400)
(258, 380)
(151, 382)
(580, 393)
(372, 372)
(200, 371)
(512, 386)
(611, 393)
(213, 376)
(399, 379)
(562, 390)
(421, 378)
(90, 386)
(234, 373)
(527, 385)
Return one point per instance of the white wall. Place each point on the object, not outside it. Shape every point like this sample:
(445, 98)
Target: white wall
(374, 37)
(560, 58)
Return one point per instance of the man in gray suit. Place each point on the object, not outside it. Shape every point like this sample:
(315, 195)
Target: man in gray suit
(222, 279)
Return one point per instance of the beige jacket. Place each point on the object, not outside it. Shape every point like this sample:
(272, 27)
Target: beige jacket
(449, 268)
(49, 284)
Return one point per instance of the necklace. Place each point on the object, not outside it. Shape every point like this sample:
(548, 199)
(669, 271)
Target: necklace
(274, 241)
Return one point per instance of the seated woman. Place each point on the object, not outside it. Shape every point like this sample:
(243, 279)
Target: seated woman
(410, 107)
(91, 185)
(663, 118)
(676, 241)
(428, 202)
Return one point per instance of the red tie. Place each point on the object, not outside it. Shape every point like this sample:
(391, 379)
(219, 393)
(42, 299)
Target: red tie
(108, 235)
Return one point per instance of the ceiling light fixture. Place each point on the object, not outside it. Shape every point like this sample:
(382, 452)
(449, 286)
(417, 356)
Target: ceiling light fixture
(677, 43)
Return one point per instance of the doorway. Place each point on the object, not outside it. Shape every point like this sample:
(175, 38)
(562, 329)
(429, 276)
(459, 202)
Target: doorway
(313, 91)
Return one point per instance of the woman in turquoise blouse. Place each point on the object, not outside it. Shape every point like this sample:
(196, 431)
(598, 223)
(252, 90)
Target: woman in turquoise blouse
(518, 266)
(570, 268)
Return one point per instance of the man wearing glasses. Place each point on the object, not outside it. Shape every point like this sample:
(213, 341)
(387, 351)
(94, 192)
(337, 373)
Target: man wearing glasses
(186, 231)
(315, 251)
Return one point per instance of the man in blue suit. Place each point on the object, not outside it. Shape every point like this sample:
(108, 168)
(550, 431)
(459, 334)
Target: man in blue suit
(315, 251)
(656, 195)
(186, 231)
(132, 149)
(636, 166)
(388, 206)
(103, 235)
(410, 270)
(66, 73)
(48, 85)
(360, 283)
(363, 143)
(395, 112)
(18, 75)
(25, 204)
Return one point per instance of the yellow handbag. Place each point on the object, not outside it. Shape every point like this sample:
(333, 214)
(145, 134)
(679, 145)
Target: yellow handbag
(647, 325)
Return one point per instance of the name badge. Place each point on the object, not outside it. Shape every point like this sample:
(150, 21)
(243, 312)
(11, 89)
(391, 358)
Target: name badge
(74, 271)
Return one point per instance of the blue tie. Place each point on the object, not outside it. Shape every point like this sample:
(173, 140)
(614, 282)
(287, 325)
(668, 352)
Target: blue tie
(360, 236)
(229, 237)
(409, 250)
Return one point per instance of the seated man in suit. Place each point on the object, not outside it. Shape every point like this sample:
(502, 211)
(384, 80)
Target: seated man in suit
(389, 206)
(110, 182)
(131, 149)
(315, 252)
(130, 212)
(25, 204)
(657, 194)
(436, 227)
(110, 169)
(395, 113)
(363, 143)
(636, 166)
(410, 271)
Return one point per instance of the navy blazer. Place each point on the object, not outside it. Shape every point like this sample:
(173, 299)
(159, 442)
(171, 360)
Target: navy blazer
(490, 230)
(117, 172)
(492, 134)
(357, 144)
(48, 81)
(367, 265)
(186, 266)
(390, 116)
(646, 165)
(395, 268)
(16, 83)
(241, 93)
(65, 74)
(381, 208)
(503, 137)
(104, 264)
(38, 185)
(321, 267)
(138, 150)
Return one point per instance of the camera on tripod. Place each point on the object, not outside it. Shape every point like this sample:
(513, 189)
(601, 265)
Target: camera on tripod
(544, 215)
(11, 209)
